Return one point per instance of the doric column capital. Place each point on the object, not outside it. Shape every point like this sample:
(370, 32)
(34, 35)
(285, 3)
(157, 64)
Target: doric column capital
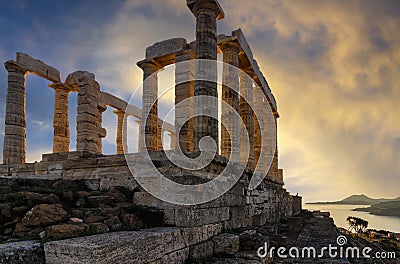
(12, 66)
(206, 6)
(149, 67)
(101, 107)
(230, 46)
(62, 87)
(119, 113)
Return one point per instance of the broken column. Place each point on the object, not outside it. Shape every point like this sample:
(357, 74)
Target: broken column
(230, 86)
(102, 108)
(14, 151)
(184, 89)
(88, 126)
(121, 132)
(61, 139)
(151, 135)
(207, 12)
(247, 115)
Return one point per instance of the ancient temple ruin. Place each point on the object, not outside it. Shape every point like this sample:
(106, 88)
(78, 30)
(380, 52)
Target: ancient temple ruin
(240, 207)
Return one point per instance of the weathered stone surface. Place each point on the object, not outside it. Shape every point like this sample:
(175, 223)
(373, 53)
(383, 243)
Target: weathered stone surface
(21, 252)
(64, 231)
(226, 243)
(195, 235)
(119, 247)
(44, 214)
(177, 257)
(197, 217)
(201, 250)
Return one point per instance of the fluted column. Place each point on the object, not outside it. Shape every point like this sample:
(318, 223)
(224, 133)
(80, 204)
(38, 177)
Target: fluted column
(230, 87)
(121, 131)
(150, 132)
(275, 165)
(184, 90)
(267, 135)
(258, 130)
(14, 150)
(247, 115)
(206, 13)
(173, 140)
(61, 138)
(103, 132)
(139, 122)
(160, 136)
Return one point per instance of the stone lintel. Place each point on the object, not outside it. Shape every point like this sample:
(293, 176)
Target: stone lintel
(113, 101)
(119, 104)
(164, 51)
(196, 5)
(38, 67)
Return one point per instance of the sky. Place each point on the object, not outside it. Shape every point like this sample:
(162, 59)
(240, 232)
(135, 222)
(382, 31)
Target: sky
(333, 67)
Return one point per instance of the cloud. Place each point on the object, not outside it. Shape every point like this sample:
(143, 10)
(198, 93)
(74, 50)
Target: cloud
(334, 74)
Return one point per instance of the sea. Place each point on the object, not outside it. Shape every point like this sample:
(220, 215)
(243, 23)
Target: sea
(339, 213)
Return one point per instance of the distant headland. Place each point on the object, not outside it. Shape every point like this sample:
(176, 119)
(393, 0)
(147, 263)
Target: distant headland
(381, 206)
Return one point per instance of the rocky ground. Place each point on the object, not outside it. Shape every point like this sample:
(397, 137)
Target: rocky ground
(308, 230)
(51, 210)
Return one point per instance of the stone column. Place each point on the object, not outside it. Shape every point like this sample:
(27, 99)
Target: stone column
(139, 121)
(160, 136)
(173, 140)
(150, 132)
(206, 13)
(88, 120)
(268, 129)
(258, 130)
(61, 139)
(184, 89)
(247, 114)
(269, 144)
(14, 151)
(275, 165)
(103, 132)
(230, 86)
(121, 132)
